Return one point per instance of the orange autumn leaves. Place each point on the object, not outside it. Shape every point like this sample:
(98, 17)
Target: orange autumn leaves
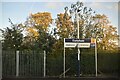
(64, 25)
(109, 32)
(41, 23)
(42, 20)
(32, 32)
(66, 28)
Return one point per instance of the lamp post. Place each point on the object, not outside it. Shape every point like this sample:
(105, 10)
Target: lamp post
(80, 12)
(75, 9)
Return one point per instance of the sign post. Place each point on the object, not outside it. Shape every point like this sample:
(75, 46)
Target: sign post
(64, 60)
(80, 43)
(94, 44)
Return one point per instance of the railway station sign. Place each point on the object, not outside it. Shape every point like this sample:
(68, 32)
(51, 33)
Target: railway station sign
(80, 43)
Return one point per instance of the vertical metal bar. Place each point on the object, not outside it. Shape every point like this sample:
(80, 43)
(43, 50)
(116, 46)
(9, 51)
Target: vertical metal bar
(17, 63)
(29, 60)
(64, 61)
(44, 63)
(0, 60)
(78, 62)
(96, 59)
(40, 64)
(78, 35)
(78, 47)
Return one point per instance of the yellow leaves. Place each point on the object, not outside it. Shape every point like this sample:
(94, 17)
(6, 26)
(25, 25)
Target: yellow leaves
(64, 25)
(42, 19)
(37, 22)
(109, 32)
(32, 32)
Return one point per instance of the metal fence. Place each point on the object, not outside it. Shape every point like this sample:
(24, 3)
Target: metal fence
(8, 66)
(25, 63)
(31, 64)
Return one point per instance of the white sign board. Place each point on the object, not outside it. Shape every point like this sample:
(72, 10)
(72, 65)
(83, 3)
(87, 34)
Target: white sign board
(80, 43)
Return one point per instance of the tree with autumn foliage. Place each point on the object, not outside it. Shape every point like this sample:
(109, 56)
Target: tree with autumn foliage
(105, 33)
(37, 29)
(64, 26)
(42, 20)
(91, 26)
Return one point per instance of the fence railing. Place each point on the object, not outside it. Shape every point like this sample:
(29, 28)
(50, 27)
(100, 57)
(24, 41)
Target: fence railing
(24, 63)
(31, 64)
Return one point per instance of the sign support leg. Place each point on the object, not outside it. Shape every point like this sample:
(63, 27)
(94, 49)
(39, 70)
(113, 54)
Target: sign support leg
(64, 63)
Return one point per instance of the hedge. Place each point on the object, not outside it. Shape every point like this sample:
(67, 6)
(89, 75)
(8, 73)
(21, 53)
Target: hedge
(31, 63)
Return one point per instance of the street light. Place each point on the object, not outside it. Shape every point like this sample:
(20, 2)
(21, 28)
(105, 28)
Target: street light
(79, 11)
(75, 9)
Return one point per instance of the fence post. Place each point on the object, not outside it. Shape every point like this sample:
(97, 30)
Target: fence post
(96, 59)
(44, 63)
(0, 60)
(17, 63)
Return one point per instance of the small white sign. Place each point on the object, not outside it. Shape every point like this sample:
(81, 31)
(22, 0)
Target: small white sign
(80, 45)
(70, 45)
(84, 45)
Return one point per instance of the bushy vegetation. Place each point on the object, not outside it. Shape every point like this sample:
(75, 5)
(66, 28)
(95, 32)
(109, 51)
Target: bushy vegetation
(31, 63)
